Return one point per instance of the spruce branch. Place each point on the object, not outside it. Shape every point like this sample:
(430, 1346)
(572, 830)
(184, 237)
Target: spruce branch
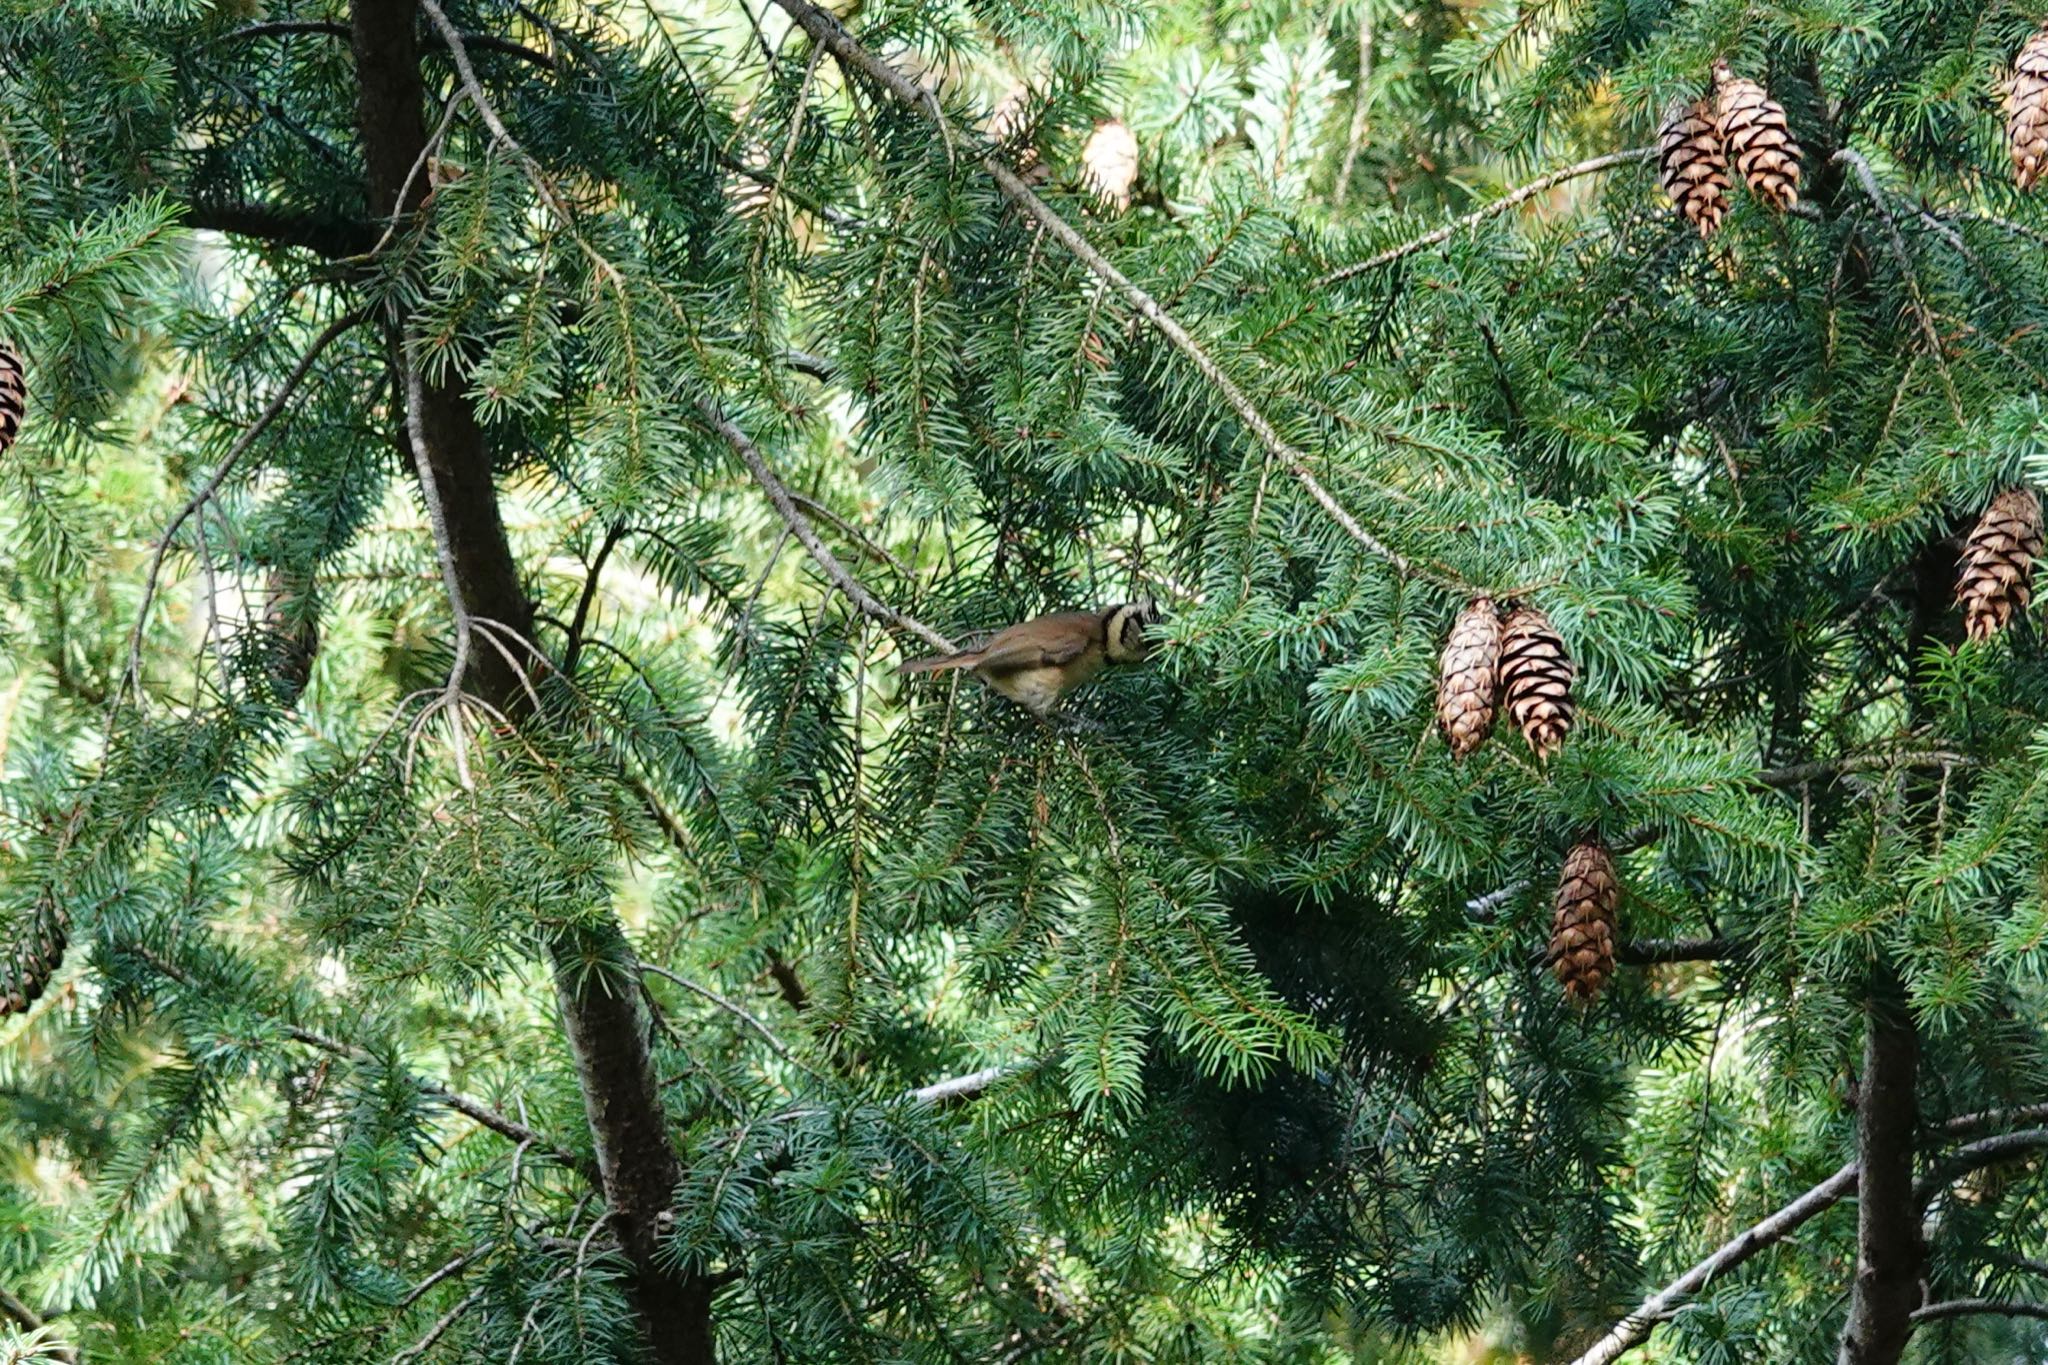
(1519, 195)
(807, 534)
(32, 1321)
(279, 28)
(832, 35)
(1635, 1328)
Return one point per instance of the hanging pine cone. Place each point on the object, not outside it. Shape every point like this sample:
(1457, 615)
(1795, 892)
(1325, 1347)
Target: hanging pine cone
(2026, 110)
(1582, 928)
(1694, 165)
(1757, 138)
(13, 396)
(27, 964)
(1109, 162)
(1536, 680)
(1995, 582)
(1469, 679)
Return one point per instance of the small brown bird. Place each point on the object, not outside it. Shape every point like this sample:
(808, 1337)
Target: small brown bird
(1037, 662)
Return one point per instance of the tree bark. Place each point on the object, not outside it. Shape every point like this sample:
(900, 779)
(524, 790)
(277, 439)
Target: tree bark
(1888, 1249)
(594, 972)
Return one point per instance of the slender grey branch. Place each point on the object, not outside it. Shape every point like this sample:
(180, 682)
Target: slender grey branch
(1985, 1152)
(828, 32)
(1964, 1124)
(1519, 195)
(1957, 1308)
(1634, 1329)
(962, 1087)
(1644, 952)
(1799, 773)
(807, 535)
(212, 486)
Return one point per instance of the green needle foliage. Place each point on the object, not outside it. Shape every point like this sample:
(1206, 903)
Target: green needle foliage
(1209, 1021)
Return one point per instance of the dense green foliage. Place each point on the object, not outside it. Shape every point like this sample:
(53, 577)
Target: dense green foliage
(1283, 1076)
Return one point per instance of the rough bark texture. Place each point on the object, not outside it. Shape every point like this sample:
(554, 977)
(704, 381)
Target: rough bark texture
(602, 1019)
(1888, 1250)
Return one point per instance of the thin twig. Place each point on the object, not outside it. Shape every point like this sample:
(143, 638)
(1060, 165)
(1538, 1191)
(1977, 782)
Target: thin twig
(1519, 195)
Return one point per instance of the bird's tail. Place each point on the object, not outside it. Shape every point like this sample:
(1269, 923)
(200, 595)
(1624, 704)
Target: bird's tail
(965, 659)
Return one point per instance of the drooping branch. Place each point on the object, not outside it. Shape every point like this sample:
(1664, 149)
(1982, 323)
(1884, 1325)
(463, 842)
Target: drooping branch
(800, 525)
(1520, 195)
(1634, 1329)
(480, 1113)
(829, 33)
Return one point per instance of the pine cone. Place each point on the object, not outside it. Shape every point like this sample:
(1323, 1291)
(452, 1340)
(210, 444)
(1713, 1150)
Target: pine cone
(1694, 165)
(1109, 162)
(13, 396)
(1536, 680)
(27, 965)
(1469, 680)
(1995, 582)
(2026, 110)
(1757, 138)
(1582, 929)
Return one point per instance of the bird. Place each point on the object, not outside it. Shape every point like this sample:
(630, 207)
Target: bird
(1037, 662)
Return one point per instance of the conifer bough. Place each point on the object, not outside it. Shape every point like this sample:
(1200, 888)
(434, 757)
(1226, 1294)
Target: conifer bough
(13, 396)
(1693, 165)
(1536, 679)
(1757, 138)
(1582, 928)
(2026, 110)
(1469, 681)
(1995, 581)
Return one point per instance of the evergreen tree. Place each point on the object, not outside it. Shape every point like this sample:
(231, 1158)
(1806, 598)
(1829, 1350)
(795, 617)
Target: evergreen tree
(475, 885)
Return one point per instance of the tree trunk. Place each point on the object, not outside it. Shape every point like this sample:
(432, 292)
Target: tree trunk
(1888, 1250)
(594, 971)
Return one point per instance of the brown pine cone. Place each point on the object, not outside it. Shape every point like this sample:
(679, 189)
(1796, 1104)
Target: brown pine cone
(1469, 679)
(2026, 110)
(27, 964)
(1582, 927)
(1694, 165)
(1109, 162)
(1995, 581)
(1536, 680)
(1757, 138)
(13, 396)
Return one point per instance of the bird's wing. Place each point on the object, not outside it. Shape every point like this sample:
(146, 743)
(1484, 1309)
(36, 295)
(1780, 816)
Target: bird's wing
(1048, 642)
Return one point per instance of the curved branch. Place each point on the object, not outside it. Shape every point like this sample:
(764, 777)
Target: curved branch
(830, 34)
(800, 526)
(1634, 1329)
(1519, 195)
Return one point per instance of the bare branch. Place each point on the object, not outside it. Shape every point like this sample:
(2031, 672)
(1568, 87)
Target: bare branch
(32, 1321)
(800, 525)
(829, 33)
(1985, 1152)
(1634, 1329)
(482, 1114)
(1957, 1308)
(1965, 1124)
(212, 486)
(1644, 952)
(962, 1087)
(1800, 773)
(1519, 195)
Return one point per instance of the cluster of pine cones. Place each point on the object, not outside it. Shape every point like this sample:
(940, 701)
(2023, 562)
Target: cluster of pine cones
(1519, 665)
(1740, 123)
